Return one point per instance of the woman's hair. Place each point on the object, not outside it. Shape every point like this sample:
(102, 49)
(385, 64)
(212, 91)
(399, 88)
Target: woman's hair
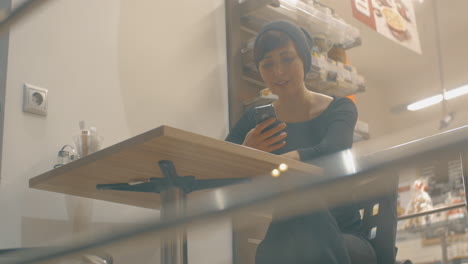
(268, 42)
(277, 34)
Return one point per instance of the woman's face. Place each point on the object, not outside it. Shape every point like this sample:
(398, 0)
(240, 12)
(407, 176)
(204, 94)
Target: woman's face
(283, 70)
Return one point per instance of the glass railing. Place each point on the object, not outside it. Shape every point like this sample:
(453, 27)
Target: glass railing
(249, 204)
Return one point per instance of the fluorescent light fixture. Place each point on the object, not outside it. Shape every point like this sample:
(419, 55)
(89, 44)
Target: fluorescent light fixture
(425, 103)
(456, 92)
(438, 98)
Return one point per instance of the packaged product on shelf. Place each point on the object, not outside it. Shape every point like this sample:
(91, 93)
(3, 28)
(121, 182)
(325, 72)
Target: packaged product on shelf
(328, 75)
(347, 73)
(440, 216)
(315, 18)
(265, 97)
(454, 213)
(266, 93)
(420, 201)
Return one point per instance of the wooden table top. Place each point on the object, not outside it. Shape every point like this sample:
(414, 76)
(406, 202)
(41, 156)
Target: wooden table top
(137, 158)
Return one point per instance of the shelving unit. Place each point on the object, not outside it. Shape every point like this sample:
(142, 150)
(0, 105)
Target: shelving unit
(326, 75)
(316, 20)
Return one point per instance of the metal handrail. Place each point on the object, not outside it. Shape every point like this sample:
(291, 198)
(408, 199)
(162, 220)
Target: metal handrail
(433, 211)
(23, 10)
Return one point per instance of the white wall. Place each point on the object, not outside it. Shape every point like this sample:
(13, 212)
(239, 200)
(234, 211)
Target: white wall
(172, 65)
(123, 66)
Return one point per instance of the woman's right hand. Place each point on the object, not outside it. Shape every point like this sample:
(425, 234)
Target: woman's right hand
(263, 140)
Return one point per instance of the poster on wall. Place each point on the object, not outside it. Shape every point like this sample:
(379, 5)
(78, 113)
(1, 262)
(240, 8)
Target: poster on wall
(395, 19)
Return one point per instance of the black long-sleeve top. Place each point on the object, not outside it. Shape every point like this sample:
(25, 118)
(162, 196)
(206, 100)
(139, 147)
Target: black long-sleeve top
(327, 133)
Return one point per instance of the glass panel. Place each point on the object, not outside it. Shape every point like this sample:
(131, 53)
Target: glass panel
(430, 182)
(445, 240)
(108, 71)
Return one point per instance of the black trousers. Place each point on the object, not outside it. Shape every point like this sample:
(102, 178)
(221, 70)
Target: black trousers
(312, 238)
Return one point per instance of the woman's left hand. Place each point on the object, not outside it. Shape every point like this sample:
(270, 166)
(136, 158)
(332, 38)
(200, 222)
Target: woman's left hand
(292, 155)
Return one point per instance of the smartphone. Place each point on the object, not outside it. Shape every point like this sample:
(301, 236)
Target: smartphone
(264, 112)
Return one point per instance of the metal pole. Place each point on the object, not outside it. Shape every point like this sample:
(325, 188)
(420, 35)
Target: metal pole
(444, 244)
(440, 64)
(20, 12)
(433, 211)
(173, 245)
(464, 159)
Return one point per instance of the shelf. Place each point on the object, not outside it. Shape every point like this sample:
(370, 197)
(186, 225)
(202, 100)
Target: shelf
(257, 101)
(415, 232)
(317, 21)
(326, 76)
(316, 82)
(254, 78)
(361, 131)
(250, 6)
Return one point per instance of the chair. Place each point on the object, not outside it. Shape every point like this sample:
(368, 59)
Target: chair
(379, 221)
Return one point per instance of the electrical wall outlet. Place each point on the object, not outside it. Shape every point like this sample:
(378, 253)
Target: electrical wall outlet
(35, 100)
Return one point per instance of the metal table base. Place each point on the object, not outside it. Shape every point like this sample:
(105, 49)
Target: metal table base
(173, 190)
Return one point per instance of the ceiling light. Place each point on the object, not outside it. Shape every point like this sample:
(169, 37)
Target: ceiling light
(438, 98)
(425, 102)
(456, 92)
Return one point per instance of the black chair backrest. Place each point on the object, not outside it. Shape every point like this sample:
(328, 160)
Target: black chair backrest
(379, 220)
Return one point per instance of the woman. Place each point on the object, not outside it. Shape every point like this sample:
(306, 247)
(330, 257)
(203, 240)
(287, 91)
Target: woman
(309, 125)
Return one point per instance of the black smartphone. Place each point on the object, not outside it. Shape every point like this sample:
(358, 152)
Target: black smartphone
(264, 112)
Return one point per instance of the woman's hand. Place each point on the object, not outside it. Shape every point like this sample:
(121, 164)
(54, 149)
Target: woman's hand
(292, 155)
(263, 140)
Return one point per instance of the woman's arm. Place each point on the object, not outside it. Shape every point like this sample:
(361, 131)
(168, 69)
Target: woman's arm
(246, 132)
(338, 134)
(241, 128)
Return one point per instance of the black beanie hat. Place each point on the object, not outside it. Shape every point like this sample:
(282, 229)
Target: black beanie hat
(300, 37)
